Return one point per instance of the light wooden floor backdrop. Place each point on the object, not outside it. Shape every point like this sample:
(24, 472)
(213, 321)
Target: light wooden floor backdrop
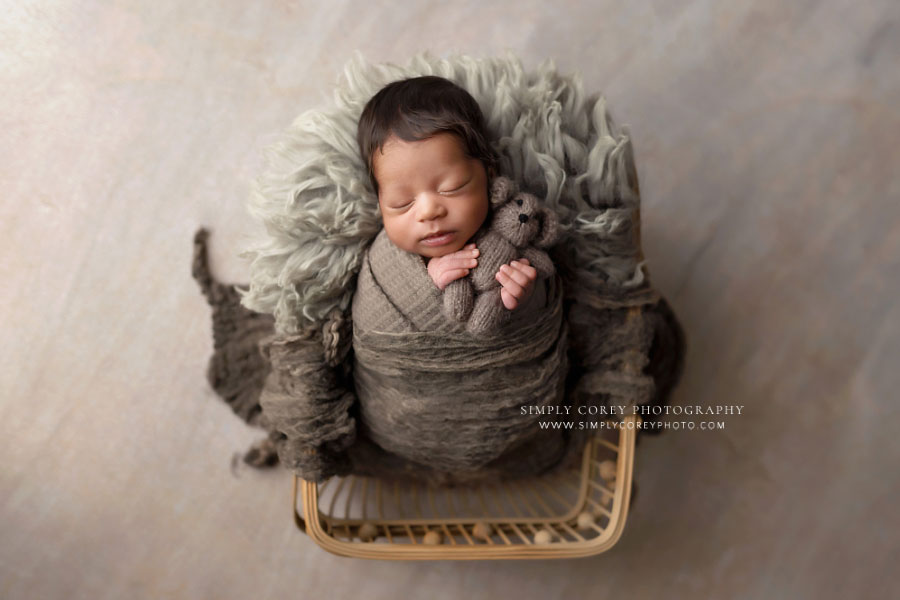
(766, 136)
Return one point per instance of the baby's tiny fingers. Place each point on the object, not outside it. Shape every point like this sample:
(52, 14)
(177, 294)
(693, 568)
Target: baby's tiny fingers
(464, 253)
(517, 275)
(509, 284)
(447, 277)
(509, 301)
(460, 262)
(526, 269)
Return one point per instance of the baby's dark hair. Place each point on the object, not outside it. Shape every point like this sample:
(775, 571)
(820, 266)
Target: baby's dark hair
(418, 108)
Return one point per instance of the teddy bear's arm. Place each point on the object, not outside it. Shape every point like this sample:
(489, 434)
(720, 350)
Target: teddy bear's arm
(458, 299)
(540, 261)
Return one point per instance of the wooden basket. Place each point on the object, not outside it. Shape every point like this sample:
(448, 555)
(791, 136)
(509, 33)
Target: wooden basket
(575, 513)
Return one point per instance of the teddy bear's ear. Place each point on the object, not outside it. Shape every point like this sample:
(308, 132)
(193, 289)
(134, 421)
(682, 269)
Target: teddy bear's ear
(549, 229)
(502, 188)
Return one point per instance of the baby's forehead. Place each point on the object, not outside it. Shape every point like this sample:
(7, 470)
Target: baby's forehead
(433, 156)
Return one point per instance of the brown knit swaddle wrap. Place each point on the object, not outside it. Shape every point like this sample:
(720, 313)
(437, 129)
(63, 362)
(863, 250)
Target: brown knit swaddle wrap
(432, 394)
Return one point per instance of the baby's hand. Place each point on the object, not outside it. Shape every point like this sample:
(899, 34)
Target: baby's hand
(444, 269)
(517, 281)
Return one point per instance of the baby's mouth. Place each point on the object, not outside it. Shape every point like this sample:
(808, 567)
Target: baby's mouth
(438, 238)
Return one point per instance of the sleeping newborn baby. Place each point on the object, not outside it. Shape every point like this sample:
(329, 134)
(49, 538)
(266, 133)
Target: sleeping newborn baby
(433, 199)
(436, 402)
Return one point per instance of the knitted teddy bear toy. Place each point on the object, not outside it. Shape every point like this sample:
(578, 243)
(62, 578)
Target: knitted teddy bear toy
(520, 226)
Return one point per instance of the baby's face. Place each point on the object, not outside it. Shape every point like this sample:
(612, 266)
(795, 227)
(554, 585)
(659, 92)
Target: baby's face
(433, 198)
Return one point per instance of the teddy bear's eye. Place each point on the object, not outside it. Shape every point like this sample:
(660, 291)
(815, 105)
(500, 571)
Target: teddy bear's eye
(519, 202)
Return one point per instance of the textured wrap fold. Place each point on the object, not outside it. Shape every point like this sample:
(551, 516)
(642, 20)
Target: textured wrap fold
(307, 399)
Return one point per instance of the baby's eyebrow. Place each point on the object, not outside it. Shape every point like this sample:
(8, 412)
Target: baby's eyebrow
(456, 169)
(394, 188)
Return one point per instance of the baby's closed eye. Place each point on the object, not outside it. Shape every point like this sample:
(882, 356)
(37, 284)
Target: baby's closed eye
(456, 187)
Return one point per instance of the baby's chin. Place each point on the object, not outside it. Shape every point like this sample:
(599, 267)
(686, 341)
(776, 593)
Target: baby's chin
(439, 251)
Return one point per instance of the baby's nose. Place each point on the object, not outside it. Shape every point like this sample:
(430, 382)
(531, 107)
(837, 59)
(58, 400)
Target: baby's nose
(430, 207)
(523, 218)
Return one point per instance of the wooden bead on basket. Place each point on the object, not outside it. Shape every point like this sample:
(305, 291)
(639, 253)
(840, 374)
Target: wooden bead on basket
(432, 538)
(608, 470)
(482, 530)
(367, 532)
